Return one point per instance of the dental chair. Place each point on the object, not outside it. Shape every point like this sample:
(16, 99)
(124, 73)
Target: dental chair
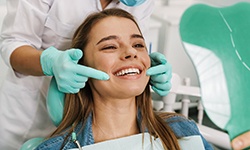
(217, 40)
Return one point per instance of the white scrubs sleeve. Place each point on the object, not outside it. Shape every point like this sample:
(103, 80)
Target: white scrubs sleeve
(143, 19)
(23, 25)
(144, 22)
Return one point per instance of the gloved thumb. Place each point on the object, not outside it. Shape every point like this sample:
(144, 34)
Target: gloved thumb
(157, 58)
(75, 54)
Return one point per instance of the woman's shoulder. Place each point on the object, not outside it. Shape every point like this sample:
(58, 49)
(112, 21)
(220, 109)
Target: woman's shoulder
(181, 125)
(178, 118)
(56, 142)
(174, 117)
(51, 143)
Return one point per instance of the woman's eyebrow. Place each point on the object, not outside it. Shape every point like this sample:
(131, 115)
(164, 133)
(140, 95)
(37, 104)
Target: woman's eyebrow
(111, 37)
(137, 36)
(107, 38)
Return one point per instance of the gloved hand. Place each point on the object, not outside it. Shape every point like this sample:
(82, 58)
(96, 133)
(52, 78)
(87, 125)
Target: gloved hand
(69, 75)
(161, 74)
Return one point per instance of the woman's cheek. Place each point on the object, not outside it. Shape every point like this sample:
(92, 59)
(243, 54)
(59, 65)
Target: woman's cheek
(104, 63)
(147, 61)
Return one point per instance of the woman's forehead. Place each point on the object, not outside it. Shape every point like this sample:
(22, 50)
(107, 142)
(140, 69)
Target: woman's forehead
(116, 26)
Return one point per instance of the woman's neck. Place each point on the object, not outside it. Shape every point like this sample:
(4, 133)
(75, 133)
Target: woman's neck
(105, 3)
(114, 119)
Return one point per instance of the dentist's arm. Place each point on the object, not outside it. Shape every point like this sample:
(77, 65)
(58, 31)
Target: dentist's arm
(161, 74)
(26, 60)
(69, 75)
(242, 141)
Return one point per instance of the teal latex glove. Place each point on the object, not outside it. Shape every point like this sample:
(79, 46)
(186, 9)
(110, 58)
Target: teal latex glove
(69, 75)
(161, 74)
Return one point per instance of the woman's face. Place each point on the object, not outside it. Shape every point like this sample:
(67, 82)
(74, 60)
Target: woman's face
(117, 47)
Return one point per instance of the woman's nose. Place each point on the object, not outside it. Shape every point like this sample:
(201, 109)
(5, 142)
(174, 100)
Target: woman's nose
(130, 53)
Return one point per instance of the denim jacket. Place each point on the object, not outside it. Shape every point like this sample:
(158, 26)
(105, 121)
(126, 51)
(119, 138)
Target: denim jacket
(181, 127)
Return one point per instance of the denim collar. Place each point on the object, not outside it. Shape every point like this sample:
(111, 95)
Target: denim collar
(85, 134)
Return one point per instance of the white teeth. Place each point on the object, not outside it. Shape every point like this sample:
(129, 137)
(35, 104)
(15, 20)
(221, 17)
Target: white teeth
(129, 71)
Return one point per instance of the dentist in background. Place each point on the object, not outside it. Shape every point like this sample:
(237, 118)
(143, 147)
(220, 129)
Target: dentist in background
(33, 41)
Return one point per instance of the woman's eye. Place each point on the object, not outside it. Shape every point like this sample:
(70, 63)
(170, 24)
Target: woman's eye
(108, 47)
(138, 46)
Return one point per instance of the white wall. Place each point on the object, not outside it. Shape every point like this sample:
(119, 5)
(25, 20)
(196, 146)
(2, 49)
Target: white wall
(170, 42)
(2, 1)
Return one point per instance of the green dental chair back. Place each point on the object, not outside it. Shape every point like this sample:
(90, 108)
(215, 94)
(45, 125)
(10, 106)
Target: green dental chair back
(217, 41)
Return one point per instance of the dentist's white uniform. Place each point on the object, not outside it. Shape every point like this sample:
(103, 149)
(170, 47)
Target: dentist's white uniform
(40, 23)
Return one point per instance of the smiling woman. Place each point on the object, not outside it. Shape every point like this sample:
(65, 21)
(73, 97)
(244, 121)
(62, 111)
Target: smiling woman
(123, 42)
(111, 41)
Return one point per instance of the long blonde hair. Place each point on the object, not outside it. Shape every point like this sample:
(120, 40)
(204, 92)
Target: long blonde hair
(79, 106)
